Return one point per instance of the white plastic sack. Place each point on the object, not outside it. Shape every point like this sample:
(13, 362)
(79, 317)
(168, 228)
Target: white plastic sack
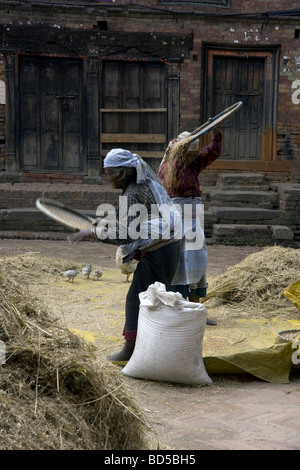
(169, 339)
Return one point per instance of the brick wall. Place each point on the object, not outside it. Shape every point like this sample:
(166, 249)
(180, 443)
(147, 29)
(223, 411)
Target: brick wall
(289, 200)
(247, 30)
(236, 6)
(241, 32)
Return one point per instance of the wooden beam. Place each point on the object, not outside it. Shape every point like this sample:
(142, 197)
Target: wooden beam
(133, 138)
(281, 166)
(133, 110)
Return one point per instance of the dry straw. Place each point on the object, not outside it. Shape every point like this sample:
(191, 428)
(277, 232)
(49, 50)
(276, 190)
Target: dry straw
(53, 394)
(256, 284)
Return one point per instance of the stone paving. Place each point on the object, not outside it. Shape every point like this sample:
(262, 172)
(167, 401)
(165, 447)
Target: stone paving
(238, 414)
(235, 413)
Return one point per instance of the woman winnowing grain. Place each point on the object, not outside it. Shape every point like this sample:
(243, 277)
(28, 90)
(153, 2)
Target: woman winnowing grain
(179, 172)
(157, 250)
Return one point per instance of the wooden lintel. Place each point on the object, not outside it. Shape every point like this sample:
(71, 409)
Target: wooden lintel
(234, 165)
(135, 110)
(133, 138)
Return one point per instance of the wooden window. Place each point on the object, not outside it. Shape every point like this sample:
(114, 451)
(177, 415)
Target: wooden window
(213, 3)
(134, 111)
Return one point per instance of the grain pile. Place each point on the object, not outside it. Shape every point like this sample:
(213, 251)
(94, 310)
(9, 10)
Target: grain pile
(256, 284)
(53, 394)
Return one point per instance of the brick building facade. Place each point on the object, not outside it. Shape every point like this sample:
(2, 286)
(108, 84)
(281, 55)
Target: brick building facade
(80, 77)
(209, 54)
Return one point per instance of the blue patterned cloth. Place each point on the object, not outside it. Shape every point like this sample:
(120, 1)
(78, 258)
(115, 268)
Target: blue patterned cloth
(193, 262)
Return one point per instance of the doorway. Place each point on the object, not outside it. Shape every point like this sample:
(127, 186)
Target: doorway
(235, 80)
(51, 119)
(248, 76)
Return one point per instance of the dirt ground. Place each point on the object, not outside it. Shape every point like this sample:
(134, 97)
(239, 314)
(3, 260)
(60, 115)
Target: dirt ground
(181, 417)
(220, 257)
(93, 307)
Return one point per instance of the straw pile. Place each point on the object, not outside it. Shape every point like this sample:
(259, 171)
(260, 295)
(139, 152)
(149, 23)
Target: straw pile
(256, 284)
(53, 395)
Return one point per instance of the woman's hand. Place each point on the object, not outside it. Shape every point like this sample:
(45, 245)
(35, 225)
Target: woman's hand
(80, 236)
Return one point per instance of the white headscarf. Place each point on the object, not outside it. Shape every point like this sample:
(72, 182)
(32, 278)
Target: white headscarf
(124, 158)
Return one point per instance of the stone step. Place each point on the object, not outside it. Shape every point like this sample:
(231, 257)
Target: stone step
(35, 224)
(31, 219)
(32, 235)
(251, 234)
(244, 215)
(246, 187)
(245, 198)
(79, 196)
(240, 179)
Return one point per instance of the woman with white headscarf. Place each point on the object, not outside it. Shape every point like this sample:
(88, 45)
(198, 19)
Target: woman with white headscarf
(154, 241)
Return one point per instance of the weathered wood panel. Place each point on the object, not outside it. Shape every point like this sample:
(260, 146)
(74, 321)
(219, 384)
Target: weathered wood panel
(51, 122)
(134, 111)
(240, 79)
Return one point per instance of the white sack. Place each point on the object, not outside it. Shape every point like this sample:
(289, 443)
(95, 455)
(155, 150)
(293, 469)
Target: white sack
(169, 339)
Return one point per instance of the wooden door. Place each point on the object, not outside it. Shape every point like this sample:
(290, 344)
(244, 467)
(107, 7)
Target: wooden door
(133, 111)
(239, 79)
(51, 115)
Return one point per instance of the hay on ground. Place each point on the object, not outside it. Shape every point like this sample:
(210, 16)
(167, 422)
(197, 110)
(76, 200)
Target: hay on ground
(53, 394)
(256, 284)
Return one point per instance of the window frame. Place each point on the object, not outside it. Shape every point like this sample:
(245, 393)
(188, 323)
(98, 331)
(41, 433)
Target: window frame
(203, 3)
